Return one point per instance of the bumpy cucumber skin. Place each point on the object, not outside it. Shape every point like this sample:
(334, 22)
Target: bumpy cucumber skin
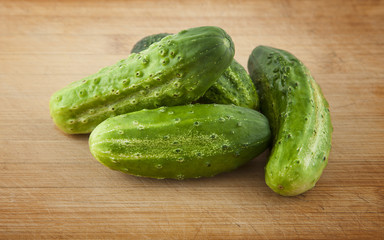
(234, 86)
(299, 117)
(174, 71)
(145, 42)
(180, 142)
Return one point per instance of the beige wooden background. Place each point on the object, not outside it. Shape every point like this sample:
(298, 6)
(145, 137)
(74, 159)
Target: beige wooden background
(51, 187)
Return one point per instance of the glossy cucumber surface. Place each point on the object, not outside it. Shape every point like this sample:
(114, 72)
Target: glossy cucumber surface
(180, 142)
(174, 71)
(299, 117)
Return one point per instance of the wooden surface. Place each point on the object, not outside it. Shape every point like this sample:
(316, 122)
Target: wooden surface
(51, 187)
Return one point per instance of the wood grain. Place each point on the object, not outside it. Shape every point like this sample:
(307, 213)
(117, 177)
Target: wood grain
(52, 188)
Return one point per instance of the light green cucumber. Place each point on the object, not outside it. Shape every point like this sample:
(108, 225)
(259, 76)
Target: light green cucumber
(299, 117)
(174, 71)
(234, 86)
(180, 142)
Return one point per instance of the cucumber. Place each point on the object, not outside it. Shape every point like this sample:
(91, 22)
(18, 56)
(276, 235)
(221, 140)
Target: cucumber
(180, 142)
(174, 71)
(145, 42)
(234, 86)
(299, 117)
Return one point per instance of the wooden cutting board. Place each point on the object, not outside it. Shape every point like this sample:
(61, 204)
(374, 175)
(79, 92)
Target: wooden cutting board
(52, 188)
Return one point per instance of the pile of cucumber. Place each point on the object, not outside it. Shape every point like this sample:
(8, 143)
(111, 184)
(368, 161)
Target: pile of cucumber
(181, 107)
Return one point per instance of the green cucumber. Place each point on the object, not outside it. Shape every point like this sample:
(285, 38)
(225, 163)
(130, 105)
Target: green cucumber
(234, 86)
(174, 71)
(145, 42)
(180, 142)
(299, 117)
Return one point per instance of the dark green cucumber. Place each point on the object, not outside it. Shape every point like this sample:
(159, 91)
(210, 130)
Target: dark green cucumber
(180, 142)
(299, 117)
(174, 71)
(145, 42)
(234, 86)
